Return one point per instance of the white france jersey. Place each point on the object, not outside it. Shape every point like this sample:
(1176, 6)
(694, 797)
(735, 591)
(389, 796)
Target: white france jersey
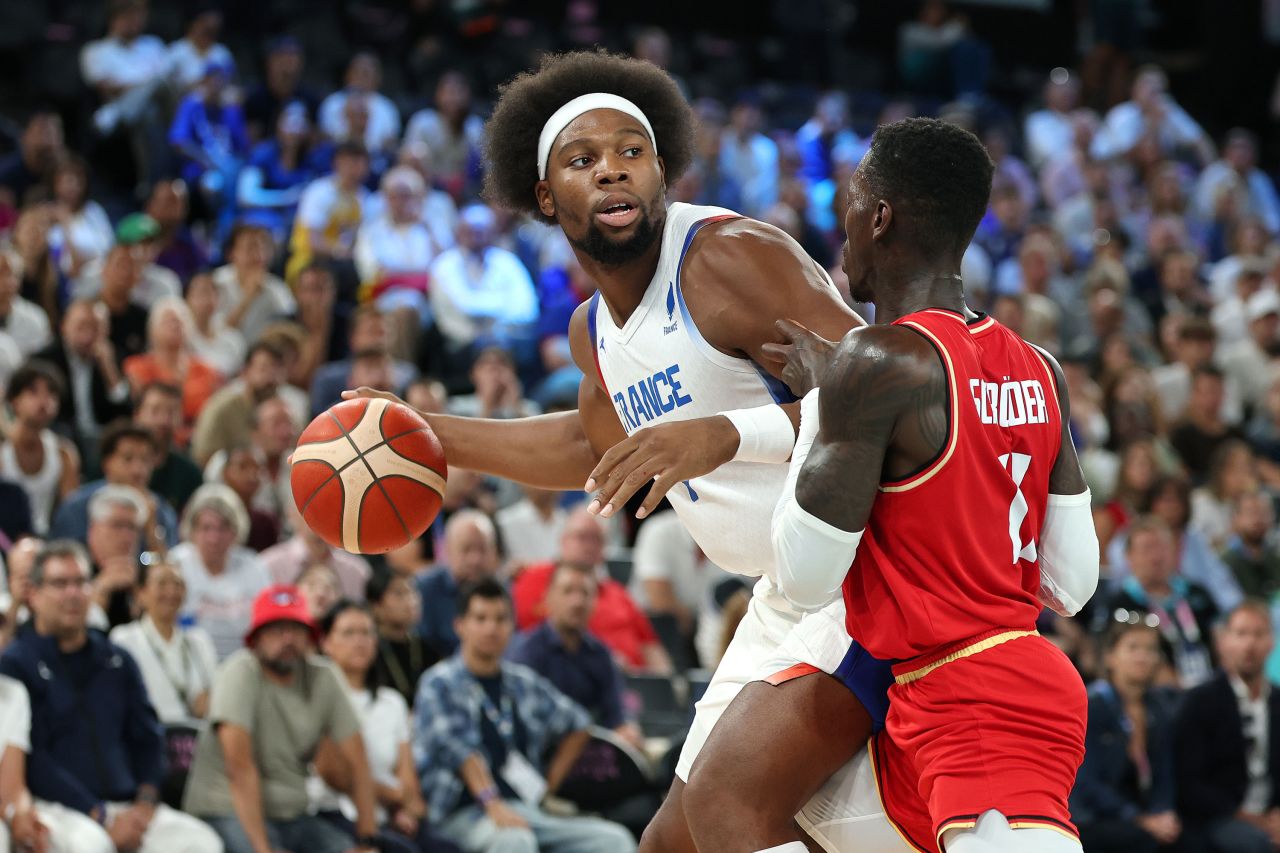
(657, 368)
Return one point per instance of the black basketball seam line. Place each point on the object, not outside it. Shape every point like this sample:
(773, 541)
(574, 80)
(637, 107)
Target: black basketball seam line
(318, 489)
(337, 472)
(369, 468)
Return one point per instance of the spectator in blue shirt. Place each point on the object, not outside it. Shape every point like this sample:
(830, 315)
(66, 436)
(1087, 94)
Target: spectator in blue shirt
(470, 554)
(482, 728)
(96, 745)
(209, 135)
(1124, 797)
(278, 170)
(564, 652)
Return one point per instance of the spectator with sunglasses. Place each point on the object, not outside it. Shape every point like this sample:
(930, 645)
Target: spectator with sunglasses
(1227, 744)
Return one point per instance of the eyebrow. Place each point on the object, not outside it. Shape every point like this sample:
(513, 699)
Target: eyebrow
(637, 131)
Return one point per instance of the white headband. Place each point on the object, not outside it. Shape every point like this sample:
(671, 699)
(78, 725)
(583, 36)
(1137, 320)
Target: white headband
(562, 117)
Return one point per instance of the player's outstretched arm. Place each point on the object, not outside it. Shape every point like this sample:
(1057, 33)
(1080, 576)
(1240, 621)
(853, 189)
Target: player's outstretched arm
(884, 392)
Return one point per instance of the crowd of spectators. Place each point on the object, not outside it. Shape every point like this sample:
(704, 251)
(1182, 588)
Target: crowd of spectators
(216, 248)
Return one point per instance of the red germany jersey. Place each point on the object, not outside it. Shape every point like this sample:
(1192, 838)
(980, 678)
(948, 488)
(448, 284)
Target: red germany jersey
(950, 552)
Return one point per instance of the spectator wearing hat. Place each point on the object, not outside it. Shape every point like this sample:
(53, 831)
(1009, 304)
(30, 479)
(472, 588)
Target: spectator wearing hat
(95, 392)
(223, 576)
(482, 294)
(148, 282)
(1249, 362)
(280, 88)
(493, 738)
(1227, 744)
(209, 137)
(249, 296)
(96, 745)
(275, 708)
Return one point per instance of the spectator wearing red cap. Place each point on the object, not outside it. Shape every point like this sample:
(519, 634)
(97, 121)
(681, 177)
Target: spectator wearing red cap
(272, 711)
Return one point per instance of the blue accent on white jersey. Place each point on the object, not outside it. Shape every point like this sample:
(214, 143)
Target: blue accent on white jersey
(658, 368)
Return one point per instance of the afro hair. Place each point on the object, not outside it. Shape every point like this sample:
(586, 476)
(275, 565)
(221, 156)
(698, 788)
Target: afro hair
(939, 173)
(525, 104)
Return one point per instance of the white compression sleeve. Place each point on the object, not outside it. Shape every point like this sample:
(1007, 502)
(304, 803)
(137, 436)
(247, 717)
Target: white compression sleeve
(765, 434)
(812, 556)
(1068, 554)
(789, 847)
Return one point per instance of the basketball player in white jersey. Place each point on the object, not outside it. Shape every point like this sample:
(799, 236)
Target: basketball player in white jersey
(673, 392)
(44, 463)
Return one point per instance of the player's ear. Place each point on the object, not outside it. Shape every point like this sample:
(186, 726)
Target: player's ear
(881, 219)
(662, 173)
(546, 201)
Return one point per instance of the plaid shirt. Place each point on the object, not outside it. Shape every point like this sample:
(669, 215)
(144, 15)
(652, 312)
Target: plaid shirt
(446, 727)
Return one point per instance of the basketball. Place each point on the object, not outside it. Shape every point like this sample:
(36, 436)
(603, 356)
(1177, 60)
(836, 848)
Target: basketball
(368, 475)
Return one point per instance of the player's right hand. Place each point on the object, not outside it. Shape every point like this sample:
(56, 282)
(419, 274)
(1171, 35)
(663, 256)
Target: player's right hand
(804, 357)
(372, 394)
(667, 454)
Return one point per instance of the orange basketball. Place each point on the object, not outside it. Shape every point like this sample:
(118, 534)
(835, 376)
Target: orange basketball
(368, 475)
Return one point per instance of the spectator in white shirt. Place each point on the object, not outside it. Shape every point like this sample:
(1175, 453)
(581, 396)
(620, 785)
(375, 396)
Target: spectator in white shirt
(1050, 132)
(750, 158)
(394, 253)
(23, 322)
(177, 662)
(437, 211)
(28, 825)
(221, 346)
(452, 131)
(250, 297)
(223, 577)
(83, 231)
(125, 69)
(364, 75)
(1150, 111)
(1235, 184)
(479, 292)
(189, 56)
(330, 211)
(531, 527)
(672, 575)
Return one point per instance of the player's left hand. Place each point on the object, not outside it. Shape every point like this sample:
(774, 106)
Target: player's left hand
(667, 454)
(804, 357)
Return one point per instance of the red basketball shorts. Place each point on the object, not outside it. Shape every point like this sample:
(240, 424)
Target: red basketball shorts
(995, 722)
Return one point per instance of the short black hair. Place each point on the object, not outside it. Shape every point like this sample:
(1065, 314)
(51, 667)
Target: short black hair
(35, 370)
(124, 430)
(238, 230)
(375, 588)
(938, 178)
(263, 346)
(342, 605)
(527, 101)
(167, 389)
(485, 588)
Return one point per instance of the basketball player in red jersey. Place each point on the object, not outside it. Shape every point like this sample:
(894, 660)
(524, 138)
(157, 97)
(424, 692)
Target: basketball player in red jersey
(942, 492)
(673, 391)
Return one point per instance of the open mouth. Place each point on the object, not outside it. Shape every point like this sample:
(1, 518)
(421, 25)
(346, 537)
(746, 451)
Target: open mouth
(619, 214)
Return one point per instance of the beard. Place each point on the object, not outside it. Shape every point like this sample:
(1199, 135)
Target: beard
(614, 253)
(283, 665)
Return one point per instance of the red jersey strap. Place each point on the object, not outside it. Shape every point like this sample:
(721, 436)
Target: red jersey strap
(913, 322)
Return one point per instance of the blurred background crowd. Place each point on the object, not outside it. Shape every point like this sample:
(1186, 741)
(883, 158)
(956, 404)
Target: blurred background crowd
(214, 217)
